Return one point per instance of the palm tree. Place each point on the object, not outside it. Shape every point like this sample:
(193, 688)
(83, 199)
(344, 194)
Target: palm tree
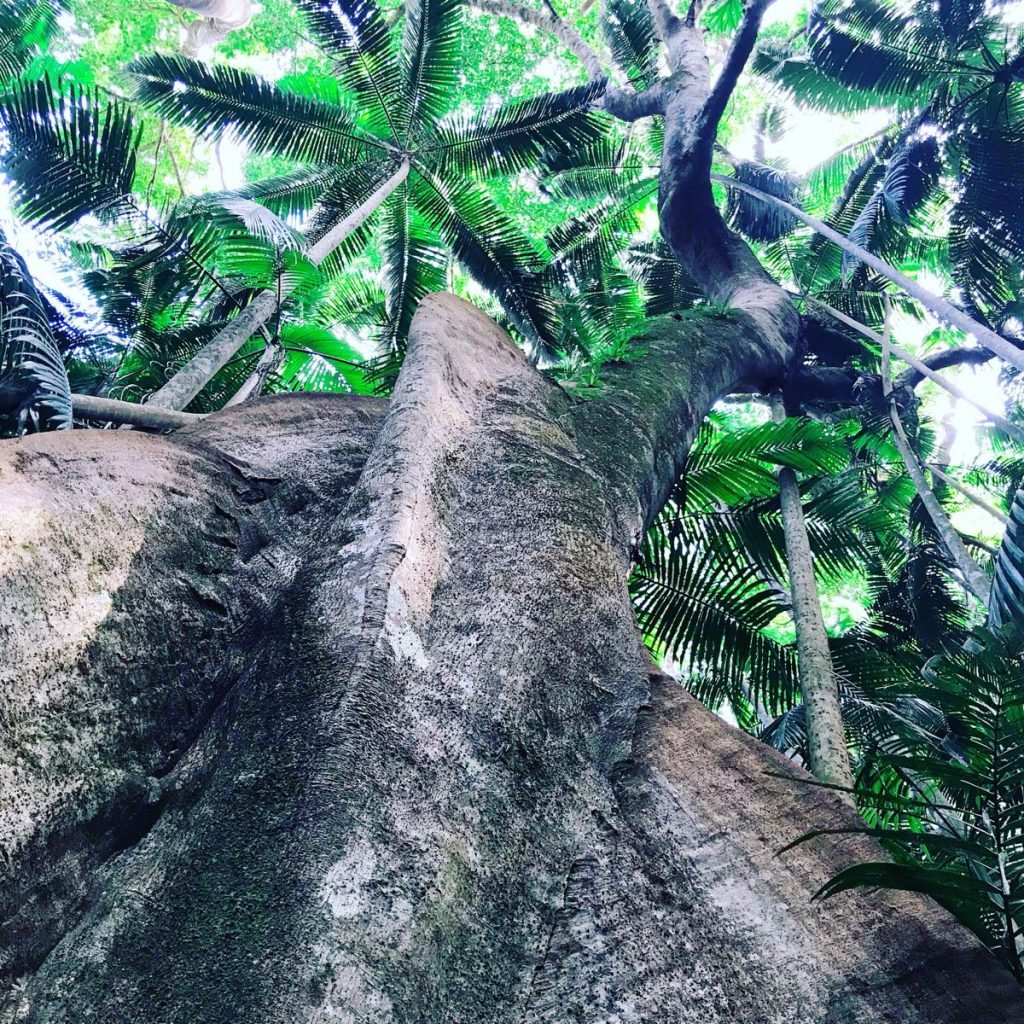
(382, 135)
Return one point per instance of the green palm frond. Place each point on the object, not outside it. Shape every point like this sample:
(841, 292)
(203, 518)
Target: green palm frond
(911, 174)
(518, 133)
(956, 826)
(71, 152)
(34, 390)
(211, 99)
(429, 56)
(24, 26)
(414, 265)
(755, 218)
(700, 602)
(492, 249)
(357, 37)
(629, 30)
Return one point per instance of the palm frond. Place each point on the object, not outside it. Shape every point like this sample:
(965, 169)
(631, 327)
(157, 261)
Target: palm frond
(34, 390)
(211, 99)
(71, 153)
(518, 133)
(629, 31)
(492, 249)
(429, 56)
(355, 33)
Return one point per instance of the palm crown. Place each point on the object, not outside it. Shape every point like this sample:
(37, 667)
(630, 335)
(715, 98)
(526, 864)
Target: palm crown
(390, 101)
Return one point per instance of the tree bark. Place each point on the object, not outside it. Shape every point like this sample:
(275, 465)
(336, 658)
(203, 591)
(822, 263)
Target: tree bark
(827, 752)
(218, 19)
(327, 709)
(216, 353)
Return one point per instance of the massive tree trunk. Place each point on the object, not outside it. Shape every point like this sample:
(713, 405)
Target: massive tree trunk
(323, 709)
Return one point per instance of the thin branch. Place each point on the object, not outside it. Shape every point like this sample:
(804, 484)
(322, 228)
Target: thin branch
(561, 30)
(942, 308)
(974, 578)
(924, 369)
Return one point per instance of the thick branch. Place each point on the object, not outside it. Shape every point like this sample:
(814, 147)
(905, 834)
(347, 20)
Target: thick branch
(735, 61)
(924, 368)
(943, 361)
(627, 105)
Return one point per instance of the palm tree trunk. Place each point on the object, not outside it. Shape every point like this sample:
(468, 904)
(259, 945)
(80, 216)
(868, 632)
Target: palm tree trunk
(145, 417)
(212, 357)
(270, 359)
(828, 755)
(939, 306)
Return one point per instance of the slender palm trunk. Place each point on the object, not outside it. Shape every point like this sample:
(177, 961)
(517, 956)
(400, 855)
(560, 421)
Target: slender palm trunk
(939, 306)
(974, 578)
(269, 361)
(826, 741)
(212, 357)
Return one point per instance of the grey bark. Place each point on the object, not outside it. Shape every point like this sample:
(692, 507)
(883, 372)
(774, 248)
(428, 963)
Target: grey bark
(827, 752)
(346, 717)
(215, 354)
(218, 19)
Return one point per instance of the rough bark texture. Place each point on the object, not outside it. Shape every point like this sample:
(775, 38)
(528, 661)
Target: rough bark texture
(829, 757)
(325, 714)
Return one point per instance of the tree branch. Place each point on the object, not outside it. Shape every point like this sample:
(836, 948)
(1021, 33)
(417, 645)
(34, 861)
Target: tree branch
(735, 61)
(943, 361)
(627, 105)
(942, 308)
(1008, 428)
(974, 578)
(561, 30)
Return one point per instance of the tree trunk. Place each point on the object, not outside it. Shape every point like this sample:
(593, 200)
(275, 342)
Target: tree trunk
(219, 19)
(216, 353)
(326, 709)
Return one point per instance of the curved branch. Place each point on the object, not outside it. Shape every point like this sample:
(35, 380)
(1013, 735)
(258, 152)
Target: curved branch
(943, 361)
(922, 367)
(735, 61)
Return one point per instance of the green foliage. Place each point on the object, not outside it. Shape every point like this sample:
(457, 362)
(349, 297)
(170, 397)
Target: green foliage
(34, 390)
(949, 802)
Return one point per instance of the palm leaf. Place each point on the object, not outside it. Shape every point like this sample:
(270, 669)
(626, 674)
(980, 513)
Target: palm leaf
(214, 98)
(70, 154)
(34, 390)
